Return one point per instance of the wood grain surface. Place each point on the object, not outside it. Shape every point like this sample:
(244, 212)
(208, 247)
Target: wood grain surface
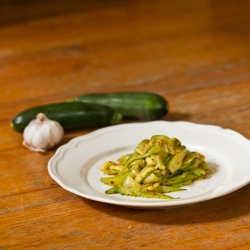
(194, 53)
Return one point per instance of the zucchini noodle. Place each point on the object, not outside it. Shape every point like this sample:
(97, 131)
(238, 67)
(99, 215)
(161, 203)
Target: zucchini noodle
(157, 166)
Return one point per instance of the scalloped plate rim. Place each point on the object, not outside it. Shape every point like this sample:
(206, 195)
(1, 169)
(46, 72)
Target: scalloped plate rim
(143, 202)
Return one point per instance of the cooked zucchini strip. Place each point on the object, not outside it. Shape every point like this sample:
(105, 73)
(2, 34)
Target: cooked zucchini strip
(115, 180)
(157, 166)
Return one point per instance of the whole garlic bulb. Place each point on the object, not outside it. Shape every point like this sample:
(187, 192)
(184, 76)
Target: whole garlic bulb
(42, 134)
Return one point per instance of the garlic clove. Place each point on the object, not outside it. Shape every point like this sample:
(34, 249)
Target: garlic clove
(56, 132)
(42, 134)
(31, 148)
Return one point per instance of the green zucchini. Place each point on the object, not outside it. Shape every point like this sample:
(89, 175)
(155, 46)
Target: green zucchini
(71, 115)
(143, 106)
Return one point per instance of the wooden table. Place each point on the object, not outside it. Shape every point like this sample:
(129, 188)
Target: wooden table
(194, 53)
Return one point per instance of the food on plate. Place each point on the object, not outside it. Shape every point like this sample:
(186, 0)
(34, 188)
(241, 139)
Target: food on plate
(157, 166)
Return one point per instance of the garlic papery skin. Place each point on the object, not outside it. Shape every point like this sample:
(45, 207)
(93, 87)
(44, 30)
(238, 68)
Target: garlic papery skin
(42, 134)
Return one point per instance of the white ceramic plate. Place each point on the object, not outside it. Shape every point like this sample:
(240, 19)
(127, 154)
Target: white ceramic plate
(76, 165)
